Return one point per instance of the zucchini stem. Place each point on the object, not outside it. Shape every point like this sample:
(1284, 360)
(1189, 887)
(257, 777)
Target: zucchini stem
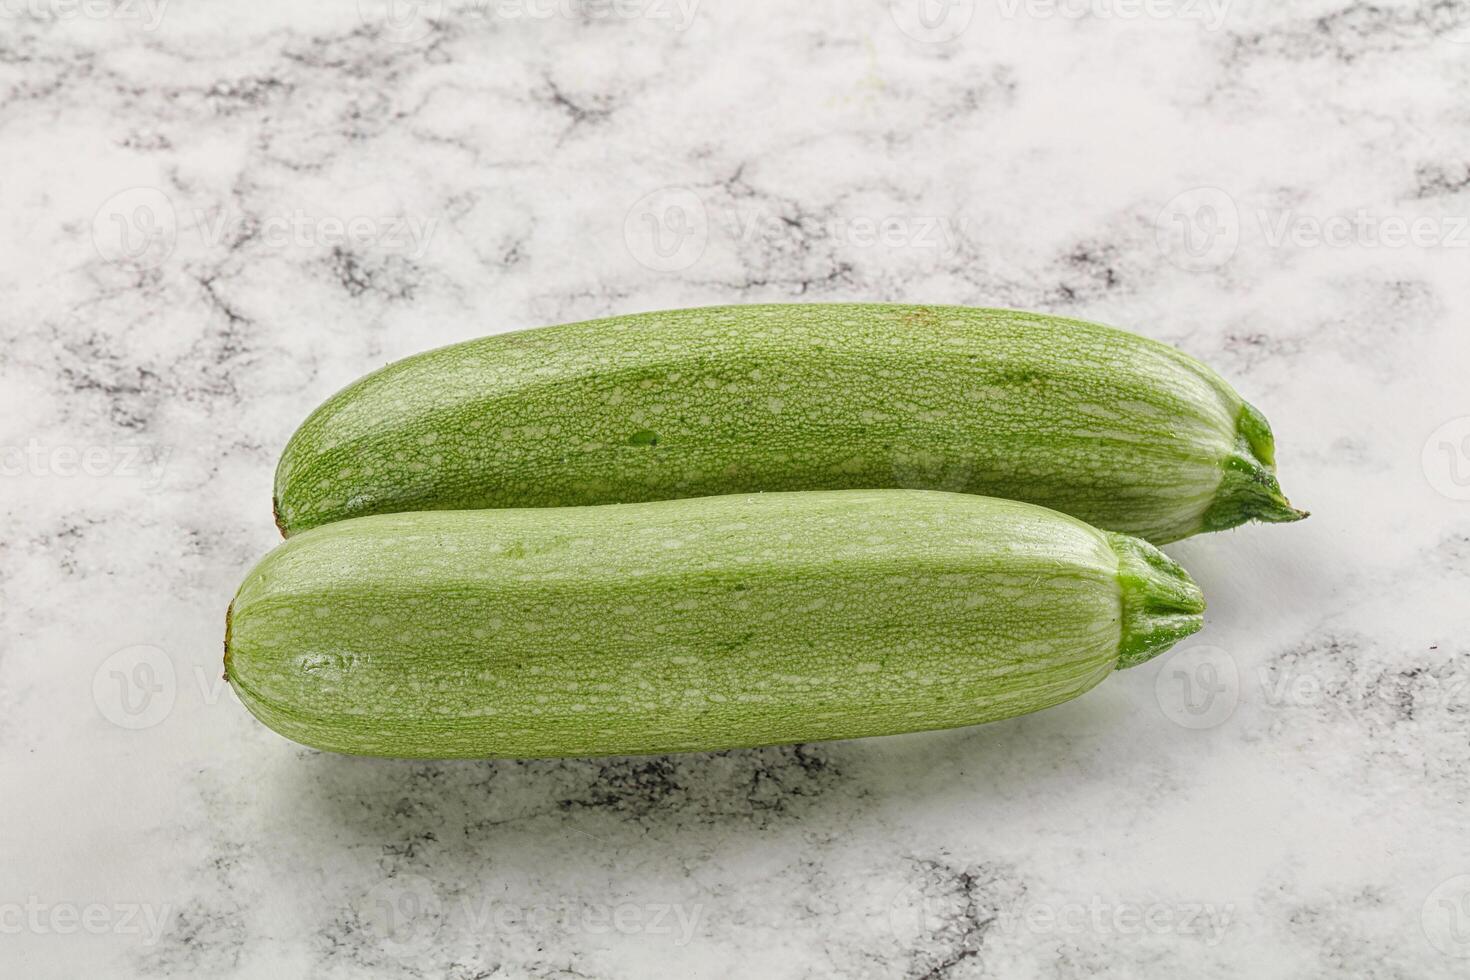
(1248, 488)
(1161, 603)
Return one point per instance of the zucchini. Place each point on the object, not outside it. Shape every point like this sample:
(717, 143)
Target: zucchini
(709, 623)
(1126, 433)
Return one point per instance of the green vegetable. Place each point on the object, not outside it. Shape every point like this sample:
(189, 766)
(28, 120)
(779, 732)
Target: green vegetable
(690, 624)
(1123, 432)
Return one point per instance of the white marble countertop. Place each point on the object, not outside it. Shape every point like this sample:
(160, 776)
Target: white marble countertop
(212, 219)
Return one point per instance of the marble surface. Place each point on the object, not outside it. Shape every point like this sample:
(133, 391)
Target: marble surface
(211, 219)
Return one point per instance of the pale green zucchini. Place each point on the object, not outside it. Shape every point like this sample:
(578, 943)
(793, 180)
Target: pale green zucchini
(1121, 431)
(709, 623)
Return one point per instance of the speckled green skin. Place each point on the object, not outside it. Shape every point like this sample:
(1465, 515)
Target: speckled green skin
(710, 623)
(1124, 432)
